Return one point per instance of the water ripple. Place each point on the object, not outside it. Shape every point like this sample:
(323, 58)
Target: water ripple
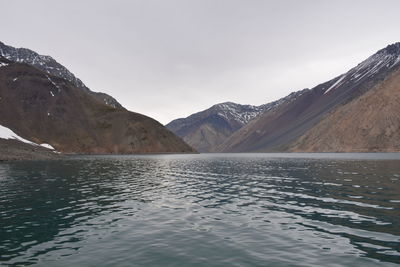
(200, 210)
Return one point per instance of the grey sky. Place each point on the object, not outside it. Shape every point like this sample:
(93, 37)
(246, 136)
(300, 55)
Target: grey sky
(170, 58)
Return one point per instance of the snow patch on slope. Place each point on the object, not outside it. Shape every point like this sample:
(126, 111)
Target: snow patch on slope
(7, 133)
(50, 66)
(335, 84)
(240, 113)
(53, 83)
(46, 63)
(47, 146)
(245, 113)
(384, 59)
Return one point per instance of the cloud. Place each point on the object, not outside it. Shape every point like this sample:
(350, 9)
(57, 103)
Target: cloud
(168, 59)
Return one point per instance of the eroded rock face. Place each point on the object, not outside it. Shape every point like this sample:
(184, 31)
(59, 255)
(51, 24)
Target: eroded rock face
(44, 108)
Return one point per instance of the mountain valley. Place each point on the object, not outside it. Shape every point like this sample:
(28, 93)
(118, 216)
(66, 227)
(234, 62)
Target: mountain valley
(359, 105)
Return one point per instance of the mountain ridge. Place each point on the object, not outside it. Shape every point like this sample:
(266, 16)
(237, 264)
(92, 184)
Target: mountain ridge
(51, 66)
(44, 108)
(275, 131)
(273, 127)
(209, 128)
(370, 131)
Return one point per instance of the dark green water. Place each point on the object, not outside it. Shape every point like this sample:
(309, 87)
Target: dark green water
(202, 210)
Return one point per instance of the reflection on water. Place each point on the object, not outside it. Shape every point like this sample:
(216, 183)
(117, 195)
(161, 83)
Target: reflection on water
(201, 210)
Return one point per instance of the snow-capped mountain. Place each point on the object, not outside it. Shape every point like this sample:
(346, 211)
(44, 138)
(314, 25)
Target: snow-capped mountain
(51, 66)
(356, 111)
(239, 113)
(243, 114)
(383, 60)
(211, 127)
(279, 125)
(41, 108)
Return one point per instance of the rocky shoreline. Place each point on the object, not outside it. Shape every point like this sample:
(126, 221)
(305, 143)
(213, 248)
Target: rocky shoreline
(14, 150)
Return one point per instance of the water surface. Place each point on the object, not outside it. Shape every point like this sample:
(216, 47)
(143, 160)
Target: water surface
(202, 210)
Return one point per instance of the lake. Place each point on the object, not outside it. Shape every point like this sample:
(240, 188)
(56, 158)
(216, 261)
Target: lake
(202, 210)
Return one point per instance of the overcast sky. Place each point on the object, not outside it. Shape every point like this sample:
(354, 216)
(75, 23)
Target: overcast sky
(170, 58)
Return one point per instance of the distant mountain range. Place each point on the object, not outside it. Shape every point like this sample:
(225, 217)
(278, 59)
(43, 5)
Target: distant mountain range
(354, 112)
(210, 128)
(42, 102)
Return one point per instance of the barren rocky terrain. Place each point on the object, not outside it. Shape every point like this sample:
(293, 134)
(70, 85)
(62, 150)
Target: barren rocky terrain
(11, 150)
(370, 123)
(43, 108)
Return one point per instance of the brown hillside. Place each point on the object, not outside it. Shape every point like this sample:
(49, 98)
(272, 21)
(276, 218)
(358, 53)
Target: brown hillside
(370, 123)
(276, 130)
(47, 109)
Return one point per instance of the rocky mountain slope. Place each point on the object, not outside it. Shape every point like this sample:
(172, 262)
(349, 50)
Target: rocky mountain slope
(15, 150)
(44, 108)
(51, 66)
(323, 118)
(209, 128)
(369, 123)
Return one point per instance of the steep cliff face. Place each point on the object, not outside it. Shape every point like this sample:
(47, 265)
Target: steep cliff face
(51, 66)
(275, 130)
(207, 129)
(370, 123)
(44, 108)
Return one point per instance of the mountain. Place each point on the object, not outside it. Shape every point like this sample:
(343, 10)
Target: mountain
(209, 128)
(369, 123)
(356, 111)
(51, 66)
(44, 108)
